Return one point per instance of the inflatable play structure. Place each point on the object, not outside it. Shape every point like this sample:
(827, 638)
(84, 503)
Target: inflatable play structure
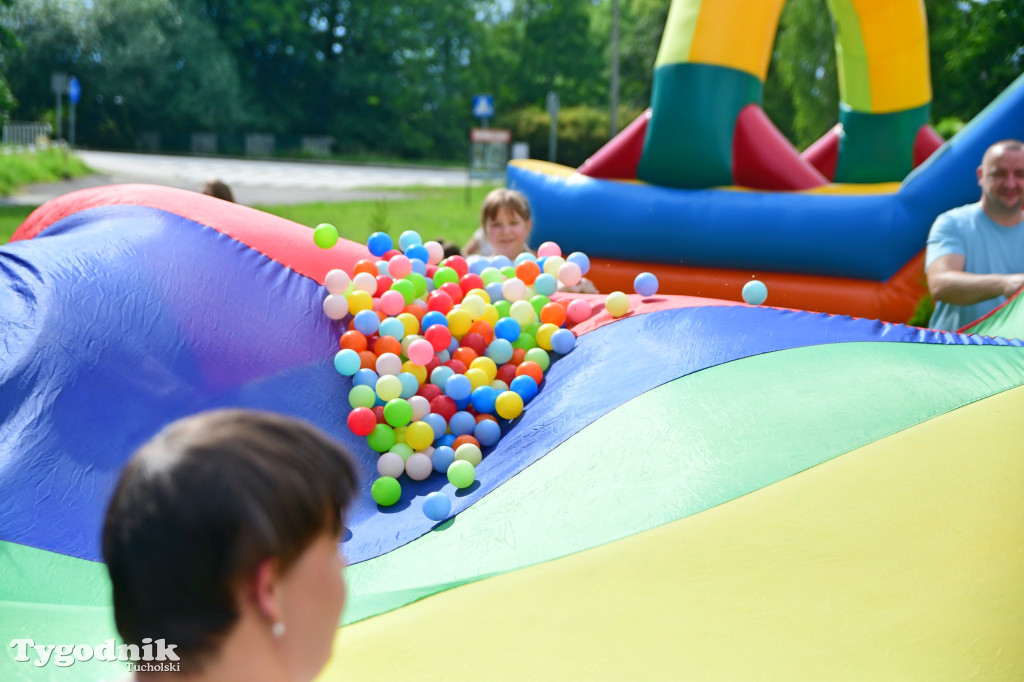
(705, 192)
(720, 490)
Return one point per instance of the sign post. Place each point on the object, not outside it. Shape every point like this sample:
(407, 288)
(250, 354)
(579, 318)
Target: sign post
(483, 108)
(552, 102)
(59, 85)
(74, 94)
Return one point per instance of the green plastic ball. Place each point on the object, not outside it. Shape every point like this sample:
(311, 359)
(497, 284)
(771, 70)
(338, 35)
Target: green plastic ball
(444, 275)
(397, 412)
(461, 473)
(418, 281)
(362, 396)
(381, 439)
(406, 288)
(540, 356)
(386, 491)
(325, 235)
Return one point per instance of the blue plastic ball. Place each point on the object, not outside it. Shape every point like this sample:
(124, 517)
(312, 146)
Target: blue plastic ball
(500, 261)
(437, 506)
(446, 441)
(545, 284)
(365, 377)
(410, 384)
(379, 243)
(500, 350)
(408, 239)
(391, 326)
(581, 259)
(494, 291)
(442, 458)
(347, 362)
(525, 386)
(525, 256)
(482, 398)
(437, 423)
(366, 322)
(461, 423)
(418, 266)
(645, 284)
(487, 432)
(458, 387)
(478, 263)
(439, 377)
(433, 317)
(507, 328)
(755, 292)
(462, 403)
(418, 251)
(563, 341)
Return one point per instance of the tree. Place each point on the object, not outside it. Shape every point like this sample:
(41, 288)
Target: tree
(8, 43)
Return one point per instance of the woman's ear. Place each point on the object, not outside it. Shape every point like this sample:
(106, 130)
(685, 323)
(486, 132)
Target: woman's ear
(264, 590)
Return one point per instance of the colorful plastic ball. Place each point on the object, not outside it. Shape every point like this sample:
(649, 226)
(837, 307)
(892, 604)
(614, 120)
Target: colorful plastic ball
(509, 405)
(420, 408)
(487, 432)
(391, 327)
(433, 318)
(417, 252)
(442, 458)
(461, 473)
(419, 435)
(549, 249)
(578, 311)
(381, 438)
(388, 387)
(525, 342)
(435, 250)
(445, 275)
(362, 396)
(392, 302)
(482, 399)
(500, 350)
(364, 281)
(365, 377)
(444, 406)
(397, 412)
(335, 306)
(386, 490)
(513, 289)
(461, 423)
(580, 259)
(755, 292)
(366, 322)
(347, 362)
(646, 284)
(527, 271)
(439, 377)
(525, 386)
(388, 363)
(523, 313)
(410, 322)
(459, 322)
(410, 384)
(399, 266)
(563, 341)
(539, 356)
(353, 340)
(553, 313)
(617, 304)
(437, 423)
(358, 301)
(418, 466)
(337, 281)
(552, 264)
(544, 334)
(361, 421)
(437, 506)
(379, 243)
(530, 369)
(458, 387)
(469, 452)
(325, 235)
(390, 464)
(507, 328)
(421, 351)
(408, 239)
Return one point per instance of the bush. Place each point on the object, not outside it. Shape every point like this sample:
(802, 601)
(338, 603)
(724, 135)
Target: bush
(581, 131)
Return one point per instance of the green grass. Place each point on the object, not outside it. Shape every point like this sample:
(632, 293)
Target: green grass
(435, 213)
(46, 165)
(10, 218)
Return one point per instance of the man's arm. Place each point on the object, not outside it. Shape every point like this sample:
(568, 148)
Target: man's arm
(948, 282)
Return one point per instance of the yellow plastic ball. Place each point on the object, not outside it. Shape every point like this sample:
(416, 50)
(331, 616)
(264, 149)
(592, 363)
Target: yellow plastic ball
(410, 322)
(487, 365)
(544, 333)
(481, 293)
(459, 321)
(358, 301)
(491, 315)
(477, 378)
(509, 405)
(474, 305)
(419, 435)
(617, 304)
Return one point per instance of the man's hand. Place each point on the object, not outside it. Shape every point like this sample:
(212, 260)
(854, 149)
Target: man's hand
(948, 282)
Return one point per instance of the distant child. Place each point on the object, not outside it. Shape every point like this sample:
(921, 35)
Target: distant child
(219, 189)
(505, 225)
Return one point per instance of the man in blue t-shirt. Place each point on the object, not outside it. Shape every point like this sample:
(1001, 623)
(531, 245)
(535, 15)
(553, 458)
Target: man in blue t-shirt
(975, 254)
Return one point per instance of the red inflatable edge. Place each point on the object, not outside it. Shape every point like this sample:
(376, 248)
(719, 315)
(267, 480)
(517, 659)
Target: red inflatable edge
(279, 239)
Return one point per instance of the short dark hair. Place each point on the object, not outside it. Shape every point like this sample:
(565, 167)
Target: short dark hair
(219, 189)
(200, 505)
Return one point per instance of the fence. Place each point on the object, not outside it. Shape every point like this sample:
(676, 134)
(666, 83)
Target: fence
(26, 134)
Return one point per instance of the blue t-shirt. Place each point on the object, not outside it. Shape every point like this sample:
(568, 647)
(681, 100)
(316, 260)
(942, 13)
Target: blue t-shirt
(987, 247)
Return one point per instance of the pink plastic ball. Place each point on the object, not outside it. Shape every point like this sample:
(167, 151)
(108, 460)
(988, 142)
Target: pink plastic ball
(578, 311)
(549, 249)
(399, 266)
(392, 303)
(420, 351)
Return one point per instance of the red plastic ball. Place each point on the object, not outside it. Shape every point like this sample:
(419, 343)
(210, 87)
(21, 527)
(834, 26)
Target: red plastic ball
(444, 406)
(438, 336)
(429, 391)
(361, 421)
(457, 366)
(383, 284)
(506, 373)
(458, 264)
(453, 290)
(440, 301)
(470, 281)
(475, 342)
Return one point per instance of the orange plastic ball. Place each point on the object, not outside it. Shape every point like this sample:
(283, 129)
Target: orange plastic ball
(464, 355)
(463, 439)
(531, 369)
(365, 265)
(527, 272)
(553, 313)
(387, 344)
(353, 340)
(367, 360)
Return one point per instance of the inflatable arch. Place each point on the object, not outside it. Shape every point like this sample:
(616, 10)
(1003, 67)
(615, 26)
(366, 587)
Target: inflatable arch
(721, 50)
(705, 192)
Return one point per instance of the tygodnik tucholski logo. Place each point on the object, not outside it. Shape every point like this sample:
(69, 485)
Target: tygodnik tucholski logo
(152, 656)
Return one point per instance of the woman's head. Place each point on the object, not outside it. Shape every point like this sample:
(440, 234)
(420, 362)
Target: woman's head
(505, 218)
(210, 506)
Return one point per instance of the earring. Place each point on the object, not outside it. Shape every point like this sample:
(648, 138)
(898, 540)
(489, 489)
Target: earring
(277, 629)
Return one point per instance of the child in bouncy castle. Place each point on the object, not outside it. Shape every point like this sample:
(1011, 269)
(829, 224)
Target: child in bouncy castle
(505, 224)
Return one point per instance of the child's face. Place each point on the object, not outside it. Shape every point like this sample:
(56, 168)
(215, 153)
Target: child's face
(508, 232)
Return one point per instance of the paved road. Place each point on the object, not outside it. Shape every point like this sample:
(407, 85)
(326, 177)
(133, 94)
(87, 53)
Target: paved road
(252, 181)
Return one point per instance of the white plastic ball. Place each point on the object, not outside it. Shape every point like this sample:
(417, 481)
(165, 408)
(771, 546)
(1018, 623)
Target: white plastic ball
(391, 464)
(337, 281)
(335, 306)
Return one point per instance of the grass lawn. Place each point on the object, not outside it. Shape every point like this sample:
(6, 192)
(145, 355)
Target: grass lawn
(431, 211)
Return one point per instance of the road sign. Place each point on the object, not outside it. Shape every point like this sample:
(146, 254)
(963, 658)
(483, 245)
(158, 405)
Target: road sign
(483, 106)
(74, 90)
(488, 152)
